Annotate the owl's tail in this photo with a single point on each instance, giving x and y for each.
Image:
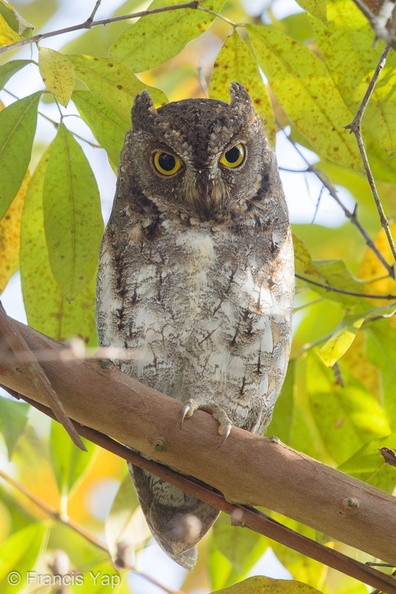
(177, 520)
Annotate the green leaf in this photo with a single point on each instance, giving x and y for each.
(113, 82)
(302, 258)
(344, 336)
(125, 523)
(221, 572)
(316, 7)
(57, 73)
(243, 548)
(8, 70)
(69, 463)
(381, 352)
(109, 129)
(311, 100)
(346, 416)
(46, 308)
(72, 217)
(346, 45)
(266, 585)
(14, 20)
(301, 567)
(368, 464)
(13, 420)
(156, 38)
(341, 340)
(18, 556)
(235, 62)
(293, 421)
(103, 579)
(332, 273)
(17, 130)
(336, 274)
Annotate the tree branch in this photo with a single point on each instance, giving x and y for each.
(269, 473)
(89, 23)
(245, 516)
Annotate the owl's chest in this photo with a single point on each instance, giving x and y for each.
(194, 272)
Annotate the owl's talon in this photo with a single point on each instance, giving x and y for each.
(187, 412)
(214, 409)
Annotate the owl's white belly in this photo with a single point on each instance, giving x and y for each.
(201, 325)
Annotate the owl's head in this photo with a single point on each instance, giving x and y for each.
(198, 155)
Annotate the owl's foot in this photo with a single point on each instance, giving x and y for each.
(214, 409)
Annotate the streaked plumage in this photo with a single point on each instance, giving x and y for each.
(196, 272)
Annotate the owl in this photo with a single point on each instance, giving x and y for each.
(196, 276)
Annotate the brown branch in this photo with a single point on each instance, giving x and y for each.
(89, 23)
(269, 473)
(246, 516)
(17, 345)
(388, 297)
(356, 128)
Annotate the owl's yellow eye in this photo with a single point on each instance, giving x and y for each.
(166, 163)
(234, 157)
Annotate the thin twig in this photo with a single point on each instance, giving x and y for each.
(240, 514)
(49, 511)
(351, 215)
(56, 124)
(52, 513)
(95, 10)
(345, 291)
(355, 128)
(89, 24)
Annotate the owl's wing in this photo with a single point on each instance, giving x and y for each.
(177, 520)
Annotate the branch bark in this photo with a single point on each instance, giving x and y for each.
(254, 470)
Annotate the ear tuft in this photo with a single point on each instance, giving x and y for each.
(143, 110)
(239, 96)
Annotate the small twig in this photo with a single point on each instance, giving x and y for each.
(89, 24)
(76, 350)
(352, 216)
(53, 513)
(95, 10)
(344, 291)
(355, 128)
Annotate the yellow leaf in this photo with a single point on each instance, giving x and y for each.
(10, 228)
(356, 360)
(7, 35)
(375, 273)
(340, 342)
(235, 62)
(57, 73)
(266, 585)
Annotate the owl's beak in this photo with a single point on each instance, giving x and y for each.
(209, 195)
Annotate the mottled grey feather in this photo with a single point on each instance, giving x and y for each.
(196, 274)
